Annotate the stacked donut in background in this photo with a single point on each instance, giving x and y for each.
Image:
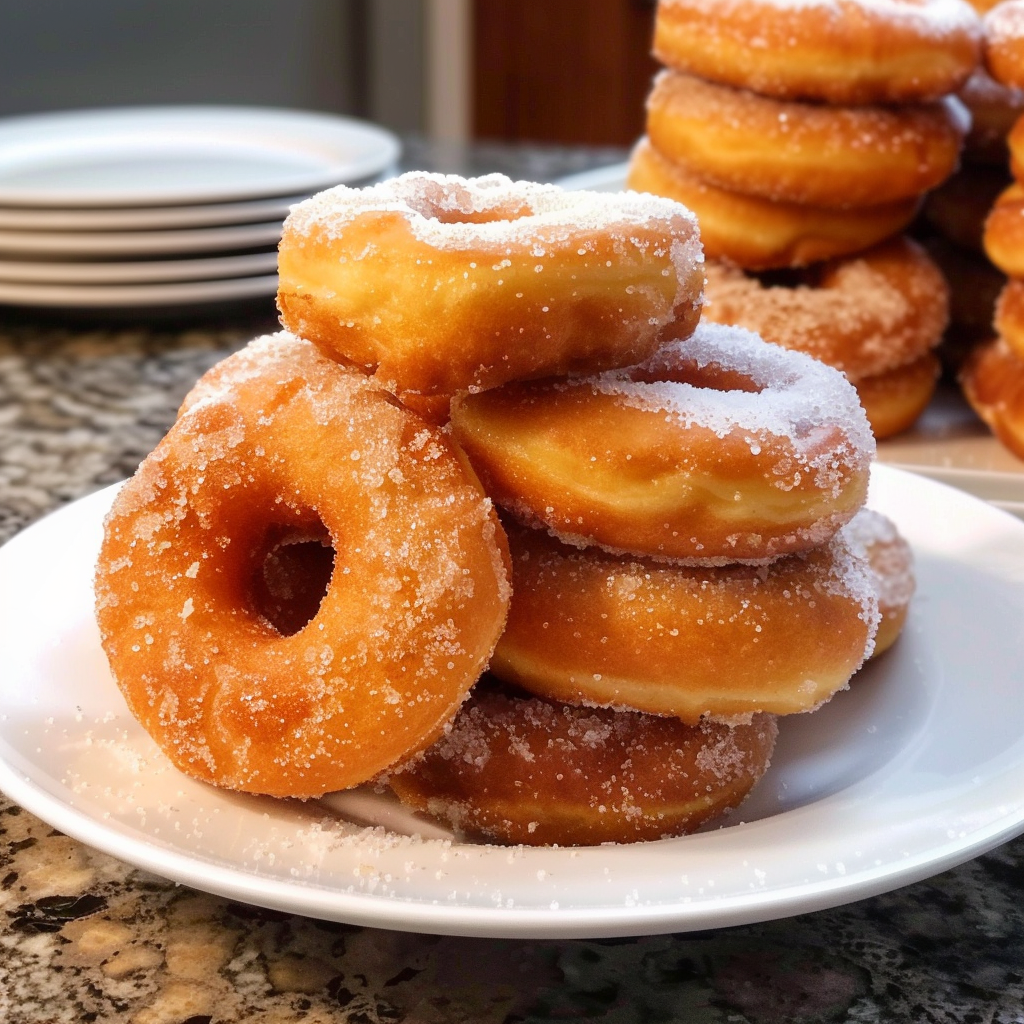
(992, 375)
(804, 137)
(682, 553)
(952, 224)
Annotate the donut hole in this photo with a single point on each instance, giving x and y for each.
(711, 376)
(291, 577)
(811, 276)
(452, 204)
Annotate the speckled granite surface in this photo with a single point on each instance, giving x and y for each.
(84, 937)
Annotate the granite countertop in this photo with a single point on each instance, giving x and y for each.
(85, 937)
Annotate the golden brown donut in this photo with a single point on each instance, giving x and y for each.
(993, 383)
(719, 448)
(892, 568)
(1003, 51)
(758, 234)
(438, 284)
(280, 445)
(895, 399)
(799, 152)
(1009, 315)
(864, 315)
(519, 769)
(1003, 237)
(589, 627)
(839, 51)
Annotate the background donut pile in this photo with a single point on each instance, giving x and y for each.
(804, 137)
(637, 664)
(992, 374)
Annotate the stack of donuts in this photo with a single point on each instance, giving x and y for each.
(804, 136)
(992, 375)
(302, 588)
(954, 215)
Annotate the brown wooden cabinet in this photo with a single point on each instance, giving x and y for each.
(568, 71)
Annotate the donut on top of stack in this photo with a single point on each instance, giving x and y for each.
(993, 374)
(804, 136)
(437, 285)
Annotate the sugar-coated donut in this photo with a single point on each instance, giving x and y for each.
(798, 152)
(1009, 315)
(1004, 43)
(895, 399)
(524, 770)
(758, 234)
(606, 630)
(438, 284)
(281, 445)
(1004, 231)
(719, 448)
(864, 315)
(839, 51)
(993, 383)
(892, 568)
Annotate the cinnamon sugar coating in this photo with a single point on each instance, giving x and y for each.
(837, 51)
(525, 770)
(723, 642)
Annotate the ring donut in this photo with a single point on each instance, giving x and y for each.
(864, 315)
(759, 234)
(717, 449)
(992, 379)
(529, 771)
(280, 444)
(436, 284)
(587, 627)
(839, 51)
(895, 399)
(804, 153)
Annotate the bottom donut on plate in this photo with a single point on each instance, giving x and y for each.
(522, 769)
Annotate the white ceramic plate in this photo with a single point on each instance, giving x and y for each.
(916, 768)
(154, 156)
(144, 271)
(106, 244)
(113, 296)
(132, 218)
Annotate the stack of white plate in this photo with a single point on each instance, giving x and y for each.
(164, 206)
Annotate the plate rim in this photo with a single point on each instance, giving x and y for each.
(136, 296)
(380, 148)
(595, 921)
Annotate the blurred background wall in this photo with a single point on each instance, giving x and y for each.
(536, 70)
